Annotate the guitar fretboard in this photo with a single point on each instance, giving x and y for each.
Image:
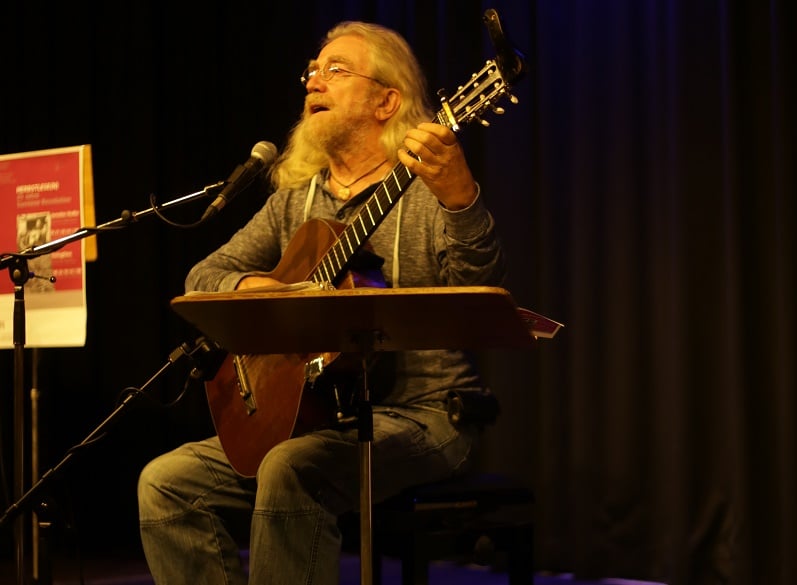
(368, 218)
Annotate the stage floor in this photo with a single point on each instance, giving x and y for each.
(130, 569)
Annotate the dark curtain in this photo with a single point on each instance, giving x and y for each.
(644, 188)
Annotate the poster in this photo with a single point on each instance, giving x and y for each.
(45, 197)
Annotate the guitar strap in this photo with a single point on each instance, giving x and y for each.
(308, 204)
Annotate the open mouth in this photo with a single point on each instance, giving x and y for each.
(315, 108)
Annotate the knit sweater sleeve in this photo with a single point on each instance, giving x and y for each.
(469, 247)
(255, 249)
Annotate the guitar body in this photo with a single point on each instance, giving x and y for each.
(258, 401)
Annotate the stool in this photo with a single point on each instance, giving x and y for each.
(480, 517)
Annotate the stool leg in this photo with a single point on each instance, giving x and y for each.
(376, 570)
(520, 564)
(414, 561)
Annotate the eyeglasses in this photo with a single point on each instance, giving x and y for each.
(329, 71)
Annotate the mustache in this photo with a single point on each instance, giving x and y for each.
(314, 102)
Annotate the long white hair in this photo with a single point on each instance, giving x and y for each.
(394, 64)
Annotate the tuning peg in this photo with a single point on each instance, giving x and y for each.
(498, 110)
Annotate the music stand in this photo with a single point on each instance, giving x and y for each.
(363, 320)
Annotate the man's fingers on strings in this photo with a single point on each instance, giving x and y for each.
(410, 159)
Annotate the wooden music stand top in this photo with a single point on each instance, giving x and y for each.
(314, 320)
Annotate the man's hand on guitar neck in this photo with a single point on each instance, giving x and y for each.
(440, 164)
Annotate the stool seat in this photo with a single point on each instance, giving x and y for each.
(472, 491)
(478, 517)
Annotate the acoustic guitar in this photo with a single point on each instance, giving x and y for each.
(257, 401)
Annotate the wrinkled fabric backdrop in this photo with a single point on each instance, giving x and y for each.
(644, 187)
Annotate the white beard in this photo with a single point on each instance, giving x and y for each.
(335, 135)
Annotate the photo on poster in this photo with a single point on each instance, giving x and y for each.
(35, 229)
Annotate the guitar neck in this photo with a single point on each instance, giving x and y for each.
(335, 262)
(465, 106)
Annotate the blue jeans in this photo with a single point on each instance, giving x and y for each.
(194, 510)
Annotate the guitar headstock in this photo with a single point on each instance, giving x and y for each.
(488, 86)
(509, 59)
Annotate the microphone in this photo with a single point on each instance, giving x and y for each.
(262, 156)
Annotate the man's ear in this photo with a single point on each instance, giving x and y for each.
(388, 105)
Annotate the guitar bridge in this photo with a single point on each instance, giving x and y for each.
(313, 369)
(244, 388)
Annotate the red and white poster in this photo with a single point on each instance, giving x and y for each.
(43, 197)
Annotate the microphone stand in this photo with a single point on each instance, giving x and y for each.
(20, 273)
(205, 356)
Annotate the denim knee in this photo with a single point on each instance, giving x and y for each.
(154, 502)
(281, 485)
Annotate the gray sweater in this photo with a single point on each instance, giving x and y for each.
(436, 247)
